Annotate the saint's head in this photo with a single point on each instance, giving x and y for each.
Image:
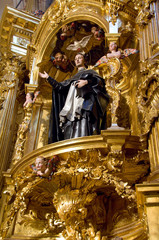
(79, 60)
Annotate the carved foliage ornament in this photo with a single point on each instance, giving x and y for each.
(148, 95)
(67, 196)
(8, 78)
(21, 134)
(60, 11)
(145, 13)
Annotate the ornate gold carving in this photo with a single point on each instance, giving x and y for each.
(112, 73)
(145, 12)
(148, 95)
(112, 11)
(21, 134)
(78, 201)
(8, 78)
(113, 8)
(148, 205)
(60, 11)
(74, 202)
(16, 23)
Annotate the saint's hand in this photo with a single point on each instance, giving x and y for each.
(81, 83)
(43, 75)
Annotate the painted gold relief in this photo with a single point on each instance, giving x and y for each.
(100, 187)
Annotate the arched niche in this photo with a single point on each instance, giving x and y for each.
(45, 37)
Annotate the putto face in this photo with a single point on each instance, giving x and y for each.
(112, 46)
(58, 58)
(79, 60)
(40, 164)
(28, 96)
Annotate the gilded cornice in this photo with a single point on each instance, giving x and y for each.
(17, 23)
(110, 143)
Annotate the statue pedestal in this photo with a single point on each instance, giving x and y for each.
(115, 126)
(116, 137)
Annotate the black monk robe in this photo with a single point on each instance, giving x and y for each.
(78, 112)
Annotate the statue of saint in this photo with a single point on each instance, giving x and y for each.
(78, 104)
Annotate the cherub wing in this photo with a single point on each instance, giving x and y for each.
(129, 51)
(102, 60)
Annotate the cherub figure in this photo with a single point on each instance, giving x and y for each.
(57, 59)
(115, 53)
(98, 33)
(44, 167)
(30, 97)
(68, 30)
(60, 61)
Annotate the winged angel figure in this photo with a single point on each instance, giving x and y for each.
(115, 53)
(79, 45)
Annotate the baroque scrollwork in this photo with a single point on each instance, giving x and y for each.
(73, 203)
(8, 79)
(145, 12)
(21, 134)
(60, 11)
(148, 95)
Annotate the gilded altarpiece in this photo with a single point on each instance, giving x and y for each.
(104, 186)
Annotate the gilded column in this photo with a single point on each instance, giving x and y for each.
(147, 193)
(148, 205)
(154, 149)
(8, 88)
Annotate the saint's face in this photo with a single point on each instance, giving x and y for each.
(40, 164)
(79, 60)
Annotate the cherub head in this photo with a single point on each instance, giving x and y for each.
(58, 58)
(68, 30)
(97, 32)
(113, 47)
(29, 96)
(65, 62)
(41, 164)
